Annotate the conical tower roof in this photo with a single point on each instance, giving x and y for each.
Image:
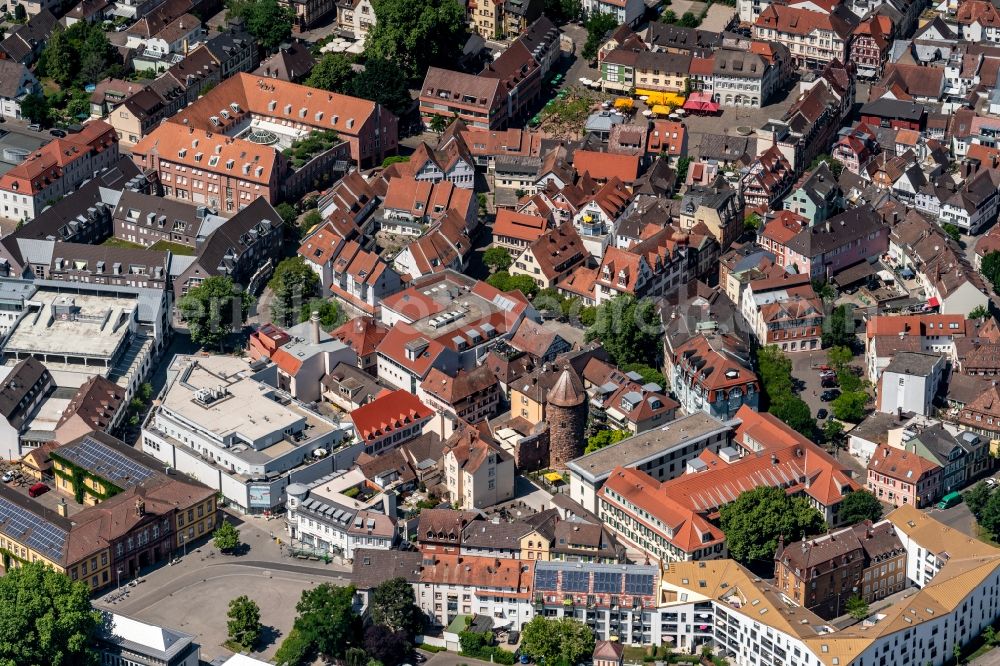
(567, 392)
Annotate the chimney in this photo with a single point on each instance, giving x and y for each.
(314, 319)
(62, 508)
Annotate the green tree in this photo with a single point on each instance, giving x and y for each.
(989, 515)
(753, 523)
(311, 219)
(385, 645)
(35, 108)
(598, 26)
(20, 13)
(858, 506)
(355, 657)
(327, 620)
(953, 231)
(629, 330)
(683, 164)
(294, 284)
(297, 650)
(850, 406)
(333, 72)
(380, 82)
(77, 55)
(833, 432)
(504, 281)
(649, 375)
(824, 290)
(980, 312)
(689, 20)
(669, 17)
(838, 328)
(605, 438)
(329, 312)
(977, 497)
(795, 413)
(562, 10)
(990, 268)
(213, 309)
(438, 123)
(554, 641)
(394, 606)
(244, 622)
(287, 212)
(838, 357)
(857, 607)
(990, 636)
(45, 618)
(497, 258)
(226, 537)
(417, 35)
(752, 222)
(268, 21)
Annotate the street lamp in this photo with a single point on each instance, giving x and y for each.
(184, 542)
(118, 578)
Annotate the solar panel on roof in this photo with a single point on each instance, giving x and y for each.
(35, 532)
(545, 579)
(104, 461)
(576, 581)
(608, 582)
(639, 584)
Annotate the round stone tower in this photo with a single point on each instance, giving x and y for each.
(566, 414)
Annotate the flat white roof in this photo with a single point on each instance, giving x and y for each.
(95, 329)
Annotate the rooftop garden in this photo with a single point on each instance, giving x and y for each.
(306, 148)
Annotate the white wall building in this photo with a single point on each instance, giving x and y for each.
(242, 437)
(910, 382)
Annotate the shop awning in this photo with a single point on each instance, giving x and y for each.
(933, 302)
(699, 101)
(553, 477)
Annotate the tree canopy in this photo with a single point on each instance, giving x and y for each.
(504, 281)
(213, 309)
(416, 35)
(753, 523)
(329, 312)
(45, 618)
(858, 506)
(77, 55)
(497, 258)
(850, 406)
(268, 21)
(775, 370)
(385, 645)
(990, 268)
(554, 641)
(294, 284)
(598, 25)
(857, 607)
(244, 622)
(977, 497)
(629, 330)
(649, 375)
(226, 537)
(379, 80)
(838, 328)
(605, 438)
(393, 605)
(326, 620)
(562, 10)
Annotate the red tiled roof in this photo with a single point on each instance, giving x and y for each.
(389, 412)
(605, 166)
(520, 226)
(362, 334)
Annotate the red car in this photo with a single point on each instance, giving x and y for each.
(38, 489)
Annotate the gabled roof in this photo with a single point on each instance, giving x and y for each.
(387, 413)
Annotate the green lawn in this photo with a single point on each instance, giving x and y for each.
(176, 248)
(117, 242)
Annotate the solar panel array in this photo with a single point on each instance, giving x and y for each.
(639, 584)
(545, 579)
(31, 530)
(607, 582)
(576, 581)
(107, 463)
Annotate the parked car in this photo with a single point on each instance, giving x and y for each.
(58, 133)
(828, 382)
(8, 476)
(822, 414)
(38, 489)
(419, 658)
(950, 500)
(34, 127)
(513, 637)
(830, 395)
